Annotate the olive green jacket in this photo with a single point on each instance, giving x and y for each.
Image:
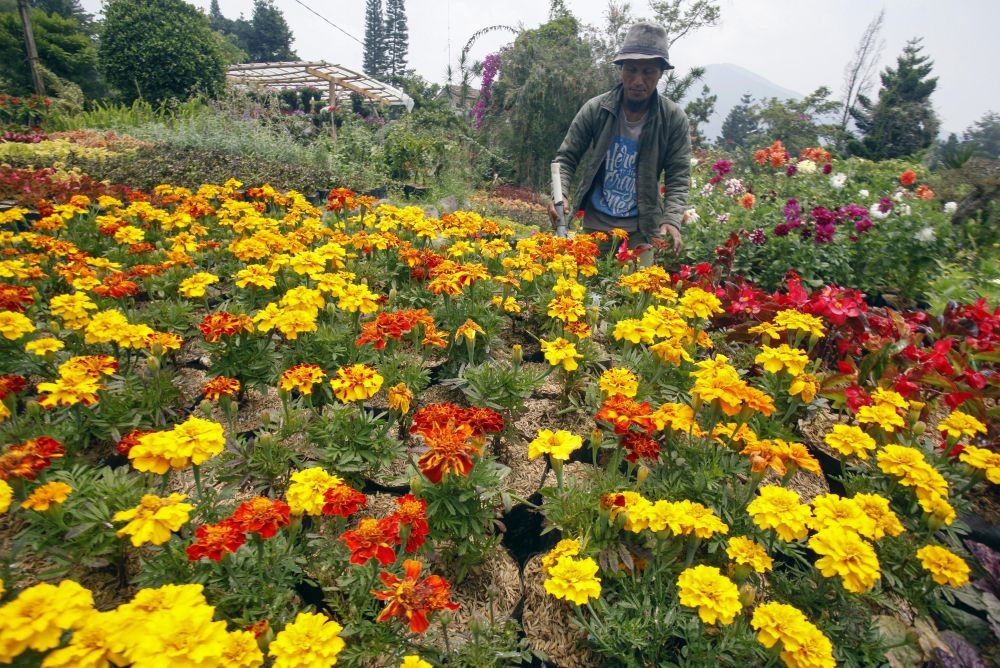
(664, 147)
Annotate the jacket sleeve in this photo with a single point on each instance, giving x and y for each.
(574, 145)
(677, 166)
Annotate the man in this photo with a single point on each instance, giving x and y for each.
(636, 135)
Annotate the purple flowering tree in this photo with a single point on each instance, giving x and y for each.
(491, 65)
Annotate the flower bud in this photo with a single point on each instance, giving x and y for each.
(33, 408)
(748, 594)
(153, 363)
(919, 427)
(517, 354)
(206, 408)
(642, 473)
(416, 484)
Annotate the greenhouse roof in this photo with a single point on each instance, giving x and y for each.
(334, 81)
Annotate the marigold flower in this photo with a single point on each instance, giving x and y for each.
(833, 510)
(697, 303)
(623, 413)
(412, 599)
(25, 460)
(414, 661)
(797, 320)
(981, 459)
(908, 178)
(89, 646)
(573, 580)
(567, 309)
(45, 496)
(14, 325)
(194, 286)
(559, 444)
(311, 641)
(805, 386)
(783, 357)
(342, 499)
(780, 509)
(802, 643)
(216, 325)
(945, 566)
(400, 397)
(214, 540)
(194, 441)
(959, 424)
(706, 588)
(38, 616)
(262, 516)
(356, 383)
(372, 539)
(567, 547)
(849, 441)
(153, 520)
(6, 496)
(877, 508)
(220, 386)
(241, 650)
(743, 550)
(468, 330)
(301, 377)
(561, 352)
(411, 515)
(257, 275)
(307, 489)
(843, 552)
(619, 381)
(44, 346)
(451, 450)
(883, 415)
(640, 446)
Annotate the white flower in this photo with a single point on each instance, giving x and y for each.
(735, 188)
(694, 162)
(926, 235)
(863, 193)
(898, 195)
(691, 216)
(807, 166)
(905, 210)
(875, 212)
(707, 189)
(838, 180)
(950, 207)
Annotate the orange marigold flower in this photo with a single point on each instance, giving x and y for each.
(450, 450)
(412, 599)
(908, 178)
(356, 383)
(301, 377)
(623, 412)
(220, 386)
(216, 325)
(214, 540)
(25, 460)
(748, 200)
(15, 298)
(640, 446)
(924, 192)
(261, 515)
(411, 520)
(372, 539)
(344, 500)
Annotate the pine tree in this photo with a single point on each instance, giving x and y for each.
(397, 38)
(271, 37)
(374, 57)
(902, 121)
(740, 124)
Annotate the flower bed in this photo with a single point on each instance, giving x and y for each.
(254, 428)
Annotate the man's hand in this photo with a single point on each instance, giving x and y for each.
(671, 232)
(554, 215)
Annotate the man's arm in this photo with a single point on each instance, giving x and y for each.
(677, 166)
(574, 145)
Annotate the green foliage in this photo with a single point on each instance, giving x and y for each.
(740, 126)
(797, 123)
(902, 121)
(270, 38)
(699, 111)
(351, 439)
(159, 49)
(984, 136)
(374, 58)
(64, 49)
(396, 39)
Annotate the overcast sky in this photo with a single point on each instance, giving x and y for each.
(797, 44)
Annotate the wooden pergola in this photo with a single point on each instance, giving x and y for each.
(336, 81)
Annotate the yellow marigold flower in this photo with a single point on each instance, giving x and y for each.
(849, 441)
(805, 386)
(677, 416)
(569, 288)
(135, 337)
(983, 460)
(884, 397)
(945, 566)
(803, 645)
(937, 506)
(6, 496)
(959, 424)
(69, 391)
(153, 520)
(44, 346)
(194, 286)
(574, 580)
(469, 329)
(14, 325)
(618, 382)
(561, 351)
(89, 647)
(400, 398)
(833, 510)
(358, 297)
(877, 508)
(105, 326)
(792, 319)
(414, 661)
(783, 357)
(769, 330)
(884, 415)
(843, 552)
(671, 350)
(636, 509)
(798, 455)
(748, 552)
(72, 308)
(699, 520)
(311, 641)
(782, 510)
(194, 441)
(634, 331)
(306, 490)
(45, 496)
(557, 444)
(567, 309)
(38, 616)
(241, 651)
(356, 383)
(567, 547)
(257, 275)
(706, 588)
(177, 637)
(697, 303)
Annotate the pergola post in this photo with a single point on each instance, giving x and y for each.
(333, 119)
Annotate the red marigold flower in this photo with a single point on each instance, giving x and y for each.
(908, 178)
(640, 446)
(340, 199)
(11, 384)
(216, 325)
(412, 599)
(412, 514)
(220, 386)
(623, 412)
(15, 298)
(435, 415)
(25, 460)
(450, 450)
(371, 539)
(214, 540)
(483, 420)
(261, 515)
(343, 500)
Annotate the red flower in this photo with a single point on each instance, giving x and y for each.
(214, 540)
(435, 415)
(343, 500)
(25, 460)
(261, 515)
(856, 397)
(411, 598)
(412, 514)
(11, 384)
(216, 325)
(483, 420)
(640, 446)
(623, 412)
(908, 178)
(15, 298)
(450, 450)
(372, 539)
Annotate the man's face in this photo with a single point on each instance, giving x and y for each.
(640, 78)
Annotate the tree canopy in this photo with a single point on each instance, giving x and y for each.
(64, 49)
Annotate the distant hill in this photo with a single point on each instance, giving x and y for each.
(729, 82)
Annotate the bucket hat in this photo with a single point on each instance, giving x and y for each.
(645, 41)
